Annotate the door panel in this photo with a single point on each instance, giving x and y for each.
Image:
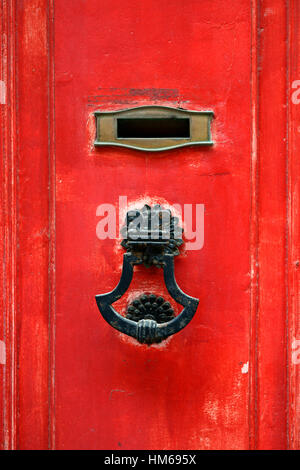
(189, 392)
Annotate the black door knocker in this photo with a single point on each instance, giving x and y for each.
(152, 237)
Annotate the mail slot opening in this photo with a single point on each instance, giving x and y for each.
(153, 128)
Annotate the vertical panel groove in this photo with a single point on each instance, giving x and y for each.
(9, 222)
(52, 246)
(253, 232)
(288, 44)
(33, 229)
(293, 211)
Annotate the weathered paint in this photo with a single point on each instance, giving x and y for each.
(72, 381)
(2, 353)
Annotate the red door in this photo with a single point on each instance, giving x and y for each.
(229, 379)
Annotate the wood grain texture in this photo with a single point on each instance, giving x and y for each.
(293, 224)
(33, 224)
(272, 242)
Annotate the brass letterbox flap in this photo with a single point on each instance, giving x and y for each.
(153, 128)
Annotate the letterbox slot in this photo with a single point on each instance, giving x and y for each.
(153, 128)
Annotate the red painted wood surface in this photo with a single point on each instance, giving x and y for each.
(229, 380)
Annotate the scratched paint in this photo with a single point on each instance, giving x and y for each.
(2, 353)
(2, 92)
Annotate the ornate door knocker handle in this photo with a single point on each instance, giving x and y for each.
(152, 237)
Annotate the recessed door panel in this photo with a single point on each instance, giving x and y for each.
(191, 390)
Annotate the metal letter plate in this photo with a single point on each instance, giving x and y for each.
(153, 128)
